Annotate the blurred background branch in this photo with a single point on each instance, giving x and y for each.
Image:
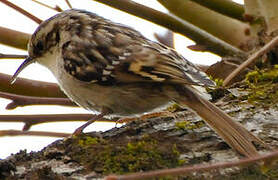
(225, 7)
(217, 24)
(14, 38)
(212, 43)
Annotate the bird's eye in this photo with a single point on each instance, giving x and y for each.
(39, 46)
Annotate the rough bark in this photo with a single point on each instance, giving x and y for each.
(157, 143)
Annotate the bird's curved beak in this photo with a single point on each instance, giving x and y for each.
(25, 63)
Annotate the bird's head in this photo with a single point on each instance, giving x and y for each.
(45, 41)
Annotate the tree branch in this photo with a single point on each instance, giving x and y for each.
(31, 120)
(217, 24)
(176, 24)
(22, 11)
(251, 59)
(12, 56)
(226, 7)
(56, 8)
(29, 87)
(32, 133)
(14, 38)
(20, 101)
(195, 168)
(68, 3)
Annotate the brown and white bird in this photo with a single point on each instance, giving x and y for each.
(110, 68)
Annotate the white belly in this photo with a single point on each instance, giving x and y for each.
(121, 100)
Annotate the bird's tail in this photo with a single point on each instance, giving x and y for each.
(230, 131)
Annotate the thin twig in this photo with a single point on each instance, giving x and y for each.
(31, 120)
(251, 59)
(22, 11)
(176, 24)
(29, 87)
(20, 101)
(32, 133)
(68, 3)
(195, 168)
(57, 8)
(12, 56)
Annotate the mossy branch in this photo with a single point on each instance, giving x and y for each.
(270, 45)
(196, 168)
(177, 25)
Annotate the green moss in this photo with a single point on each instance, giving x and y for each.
(263, 86)
(106, 157)
(265, 75)
(187, 125)
(249, 173)
(174, 108)
(218, 91)
(87, 140)
(270, 169)
(219, 82)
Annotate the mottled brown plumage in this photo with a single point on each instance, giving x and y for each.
(110, 68)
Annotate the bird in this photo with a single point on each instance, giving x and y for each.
(112, 69)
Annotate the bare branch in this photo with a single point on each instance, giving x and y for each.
(226, 7)
(32, 133)
(176, 24)
(22, 11)
(12, 56)
(195, 168)
(251, 59)
(14, 38)
(68, 3)
(20, 101)
(29, 87)
(57, 8)
(31, 120)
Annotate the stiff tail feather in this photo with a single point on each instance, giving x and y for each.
(229, 130)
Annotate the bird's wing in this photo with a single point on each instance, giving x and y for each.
(118, 54)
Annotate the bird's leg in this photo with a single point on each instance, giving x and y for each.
(90, 121)
(81, 128)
